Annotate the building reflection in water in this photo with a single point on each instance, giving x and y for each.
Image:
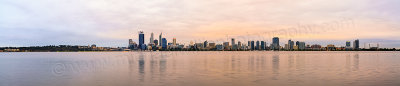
(141, 64)
(275, 66)
(356, 62)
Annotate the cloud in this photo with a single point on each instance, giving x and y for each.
(119, 20)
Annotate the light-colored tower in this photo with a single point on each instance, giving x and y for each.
(174, 41)
(160, 41)
(152, 38)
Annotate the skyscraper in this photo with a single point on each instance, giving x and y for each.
(262, 45)
(141, 39)
(174, 41)
(252, 45)
(155, 42)
(239, 45)
(290, 44)
(226, 45)
(205, 44)
(131, 44)
(302, 45)
(356, 44)
(160, 39)
(275, 43)
(258, 45)
(248, 44)
(164, 43)
(151, 38)
(348, 43)
(233, 41)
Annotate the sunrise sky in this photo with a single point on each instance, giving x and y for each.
(113, 22)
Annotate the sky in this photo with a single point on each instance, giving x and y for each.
(112, 22)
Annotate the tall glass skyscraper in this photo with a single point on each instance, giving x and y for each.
(275, 43)
(252, 45)
(141, 39)
(356, 44)
(262, 45)
(258, 45)
(164, 43)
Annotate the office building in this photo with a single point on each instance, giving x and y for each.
(205, 44)
(252, 47)
(226, 45)
(262, 45)
(348, 44)
(258, 45)
(290, 45)
(331, 47)
(248, 44)
(275, 43)
(302, 45)
(164, 43)
(152, 38)
(174, 41)
(160, 39)
(239, 45)
(141, 40)
(233, 41)
(199, 45)
(132, 45)
(356, 45)
(155, 42)
(219, 47)
(211, 45)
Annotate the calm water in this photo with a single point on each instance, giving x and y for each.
(200, 69)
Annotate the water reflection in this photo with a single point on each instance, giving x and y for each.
(201, 69)
(356, 61)
(275, 66)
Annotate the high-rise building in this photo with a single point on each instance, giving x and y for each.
(239, 45)
(302, 45)
(164, 43)
(226, 45)
(348, 43)
(356, 45)
(233, 41)
(297, 43)
(131, 44)
(155, 42)
(174, 41)
(205, 44)
(290, 45)
(262, 45)
(249, 44)
(152, 38)
(141, 39)
(275, 43)
(130, 41)
(252, 45)
(160, 39)
(258, 45)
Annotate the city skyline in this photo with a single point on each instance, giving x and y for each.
(276, 42)
(110, 23)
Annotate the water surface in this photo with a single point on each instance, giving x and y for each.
(242, 68)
